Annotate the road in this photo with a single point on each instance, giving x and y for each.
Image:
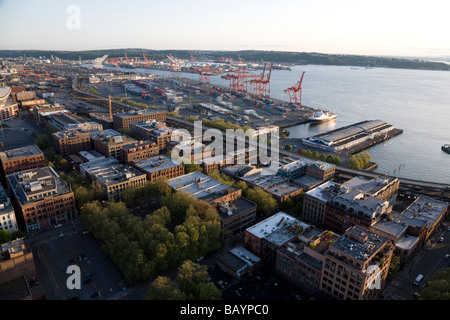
(426, 261)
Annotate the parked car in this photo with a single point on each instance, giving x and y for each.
(59, 225)
(441, 239)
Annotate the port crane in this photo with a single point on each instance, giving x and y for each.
(174, 65)
(103, 99)
(147, 63)
(204, 74)
(295, 92)
(260, 87)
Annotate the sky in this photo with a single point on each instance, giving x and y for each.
(382, 27)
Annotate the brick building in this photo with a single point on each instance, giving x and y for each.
(69, 142)
(139, 150)
(20, 159)
(159, 167)
(122, 120)
(41, 198)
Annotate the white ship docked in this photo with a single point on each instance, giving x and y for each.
(322, 116)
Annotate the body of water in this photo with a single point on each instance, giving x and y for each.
(417, 101)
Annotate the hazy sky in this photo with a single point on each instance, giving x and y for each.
(382, 27)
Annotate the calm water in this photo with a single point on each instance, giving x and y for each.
(416, 101)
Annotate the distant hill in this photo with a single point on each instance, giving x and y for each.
(282, 57)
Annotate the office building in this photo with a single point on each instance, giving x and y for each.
(20, 159)
(123, 120)
(159, 168)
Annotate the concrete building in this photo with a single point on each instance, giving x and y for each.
(70, 121)
(70, 142)
(8, 220)
(139, 150)
(159, 167)
(20, 159)
(110, 142)
(17, 268)
(8, 108)
(301, 260)
(266, 237)
(41, 197)
(39, 112)
(237, 215)
(152, 130)
(122, 120)
(356, 265)
(113, 178)
(315, 202)
(238, 261)
(351, 207)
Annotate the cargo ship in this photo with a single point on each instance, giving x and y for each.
(322, 116)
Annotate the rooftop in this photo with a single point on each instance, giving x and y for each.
(133, 113)
(393, 228)
(197, 184)
(20, 152)
(371, 187)
(114, 173)
(37, 184)
(359, 243)
(278, 229)
(5, 203)
(150, 124)
(426, 209)
(154, 164)
(235, 207)
(111, 137)
(283, 189)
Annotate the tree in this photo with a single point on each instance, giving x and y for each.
(265, 203)
(178, 203)
(191, 167)
(288, 147)
(193, 280)
(5, 236)
(63, 164)
(438, 287)
(162, 288)
(394, 267)
(43, 141)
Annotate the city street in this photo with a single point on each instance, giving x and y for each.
(426, 262)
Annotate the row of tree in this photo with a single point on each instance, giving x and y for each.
(360, 160)
(183, 228)
(322, 157)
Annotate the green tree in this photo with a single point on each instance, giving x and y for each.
(191, 167)
(438, 287)
(394, 267)
(288, 147)
(162, 288)
(315, 155)
(265, 203)
(192, 278)
(5, 236)
(64, 164)
(43, 141)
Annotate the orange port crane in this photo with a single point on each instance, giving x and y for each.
(239, 80)
(260, 87)
(103, 99)
(295, 92)
(147, 63)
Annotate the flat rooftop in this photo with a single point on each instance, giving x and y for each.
(149, 124)
(277, 229)
(111, 137)
(265, 181)
(114, 173)
(197, 184)
(154, 164)
(35, 184)
(407, 242)
(5, 203)
(426, 209)
(371, 187)
(390, 227)
(20, 153)
(359, 243)
(283, 189)
(133, 113)
(235, 207)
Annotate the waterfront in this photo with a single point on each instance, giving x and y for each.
(416, 101)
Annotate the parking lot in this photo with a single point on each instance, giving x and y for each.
(55, 249)
(18, 131)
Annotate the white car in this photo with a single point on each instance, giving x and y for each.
(59, 225)
(447, 256)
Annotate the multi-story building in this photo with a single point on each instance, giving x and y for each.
(122, 120)
(315, 202)
(41, 197)
(19, 159)
(152, 130)
(8, 220)
(70, 121)
(8, 109)
(321, 170)
(110, 142)
(356, 265)
(159, 167)
(114, 178)
(41, 112)
(351, 207)
(139, 150)
(384, 188)
(301, 260)
(103, 118)
(266, 237)
(69, 142)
